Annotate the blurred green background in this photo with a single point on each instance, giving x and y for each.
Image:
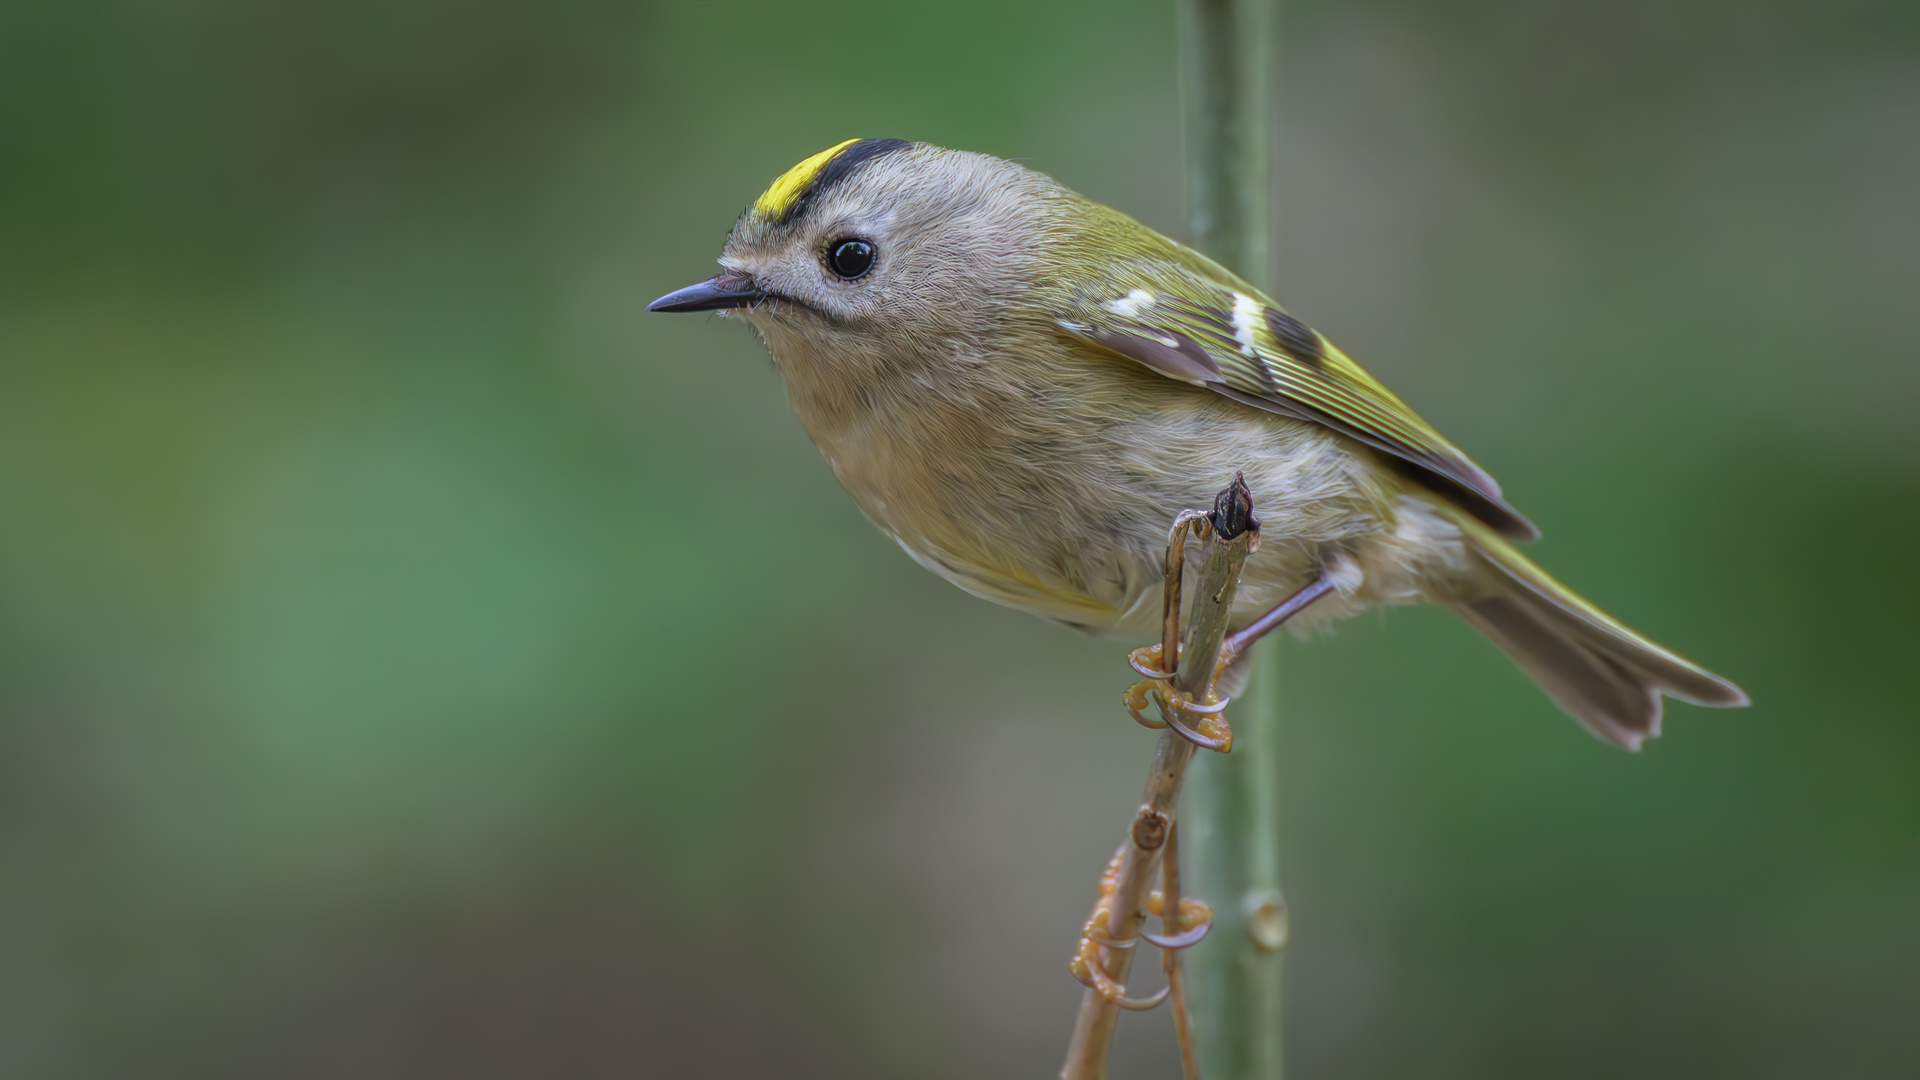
(415, 661)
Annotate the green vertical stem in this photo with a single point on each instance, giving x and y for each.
(1233, 818)
(1224, 46)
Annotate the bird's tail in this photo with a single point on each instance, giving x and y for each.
(1603, 674)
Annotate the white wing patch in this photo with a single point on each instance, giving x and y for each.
(1131, 305)
(1247, 315)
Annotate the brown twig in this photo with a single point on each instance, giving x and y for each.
(1172, 922)
(1230, 533)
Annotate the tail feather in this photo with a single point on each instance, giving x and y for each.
(1603, 674)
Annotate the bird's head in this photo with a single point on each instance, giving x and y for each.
(879, 245)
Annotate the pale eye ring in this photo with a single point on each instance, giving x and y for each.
(850, 257)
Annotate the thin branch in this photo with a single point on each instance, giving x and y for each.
(1173, 923)
(1230, 533)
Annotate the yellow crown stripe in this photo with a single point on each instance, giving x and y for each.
(784, 190)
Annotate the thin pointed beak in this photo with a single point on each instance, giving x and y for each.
(725, 290)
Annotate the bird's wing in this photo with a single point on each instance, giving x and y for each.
(1187, 325)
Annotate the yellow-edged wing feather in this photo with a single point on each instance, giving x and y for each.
(1186, 317)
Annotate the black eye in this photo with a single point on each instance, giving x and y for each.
(850, 258)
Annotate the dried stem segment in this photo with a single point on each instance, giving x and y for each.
(1173, 925)
(1171, 600)
(1229, 538)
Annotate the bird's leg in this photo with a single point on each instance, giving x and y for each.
(1238, 642)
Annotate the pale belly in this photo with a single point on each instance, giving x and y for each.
(1081, 537)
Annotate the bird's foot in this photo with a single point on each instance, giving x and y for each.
(1200, 721)
(1090, 968)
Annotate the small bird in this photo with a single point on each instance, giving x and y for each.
(1023, 388)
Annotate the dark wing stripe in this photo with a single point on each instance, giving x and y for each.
(1284, 366)
(1298, 339)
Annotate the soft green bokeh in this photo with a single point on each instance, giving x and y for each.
(416, 661)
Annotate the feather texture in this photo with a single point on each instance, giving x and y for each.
(1191, 320)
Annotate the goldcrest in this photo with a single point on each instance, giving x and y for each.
(1023, 387)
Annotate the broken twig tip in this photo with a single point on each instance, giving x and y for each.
(1233, 510)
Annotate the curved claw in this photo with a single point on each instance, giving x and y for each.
(1101, 983)
(1141, 1004)
(1106, 942)
(1208, 709)
(1173, 721)
(1181, 940)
